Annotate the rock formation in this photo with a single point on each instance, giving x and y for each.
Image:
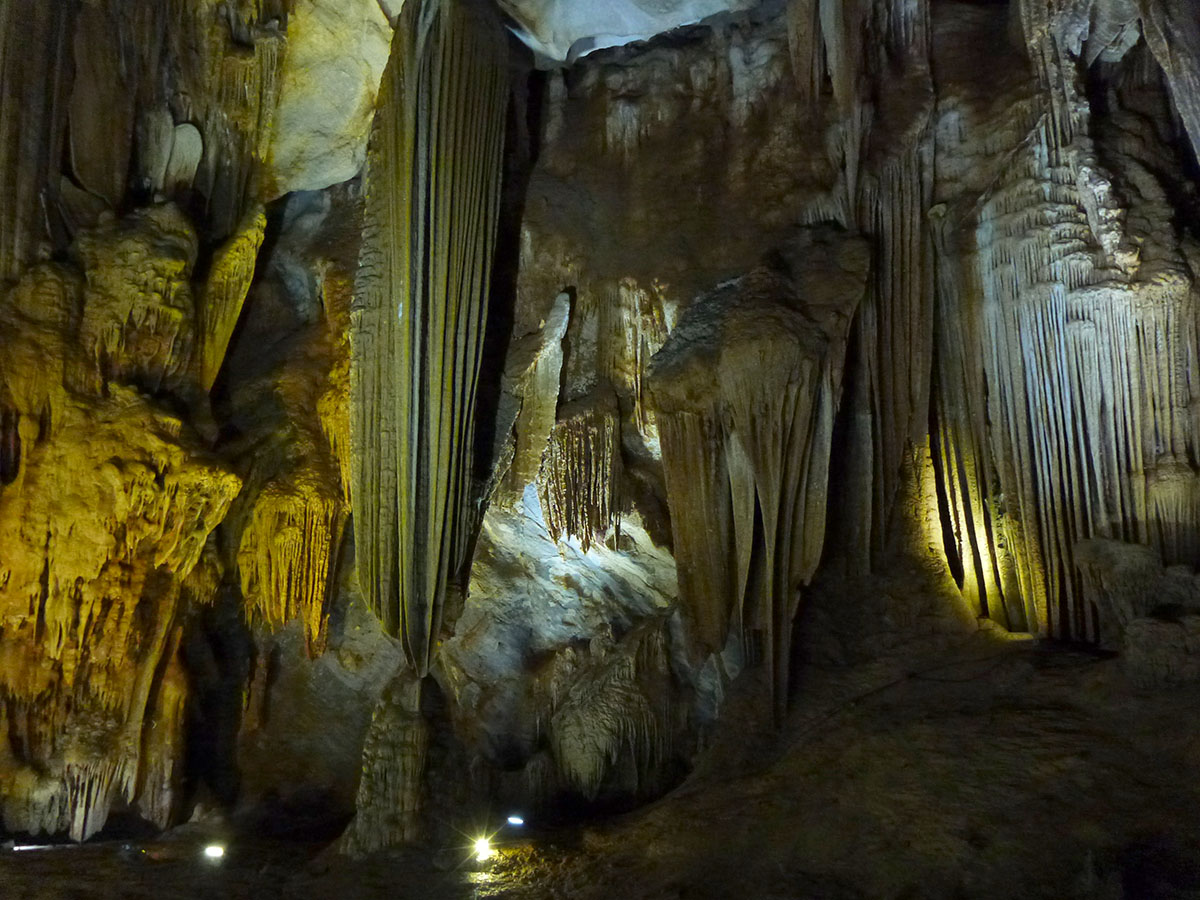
(746, 390)
(108, 506)
(421, 308)
(394, 418)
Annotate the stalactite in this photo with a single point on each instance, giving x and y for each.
(433, 180)
(10, 445)
(534, 369)
(90, 611)
(333, 405)
(885, 191)
(634, 323)
(163, 750)
(106, 519)
(226, 84)
(746, 388)
(580, 473)
(287, 552)
(1078, 424)
(225, 292)
(807, 51)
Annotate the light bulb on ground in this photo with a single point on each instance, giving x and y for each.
(483, 849)
(516, 820)
(214, 851)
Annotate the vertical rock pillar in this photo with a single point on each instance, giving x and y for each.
(433, 193)
(746, 389)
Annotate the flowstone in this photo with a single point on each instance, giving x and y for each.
(746, 390)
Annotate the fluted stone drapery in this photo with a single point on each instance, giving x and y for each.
(433, 189)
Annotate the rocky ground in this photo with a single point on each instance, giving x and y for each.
(957, 763)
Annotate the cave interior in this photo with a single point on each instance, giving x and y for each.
(395, 499)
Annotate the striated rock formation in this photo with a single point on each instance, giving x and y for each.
(1057, 272)
(393, 769)
(420, 310)
(580, 473)
(228, 283)
(746, 390)
(108, 503)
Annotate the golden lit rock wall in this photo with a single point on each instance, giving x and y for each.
(133, 139)
(108, 503)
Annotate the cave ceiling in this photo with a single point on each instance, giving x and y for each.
(564, 30)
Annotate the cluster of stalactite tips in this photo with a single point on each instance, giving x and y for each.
(572, 430)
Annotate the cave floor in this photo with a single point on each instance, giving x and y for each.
(972, 766)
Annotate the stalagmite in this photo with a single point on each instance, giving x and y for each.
(746, 389)
(390, 792)
(417, 326)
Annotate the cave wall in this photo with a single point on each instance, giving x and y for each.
(774, 278)
(173, 491)
(1019, 358)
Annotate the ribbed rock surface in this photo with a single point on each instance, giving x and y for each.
(746, 390)
(433, 189)
(1059, 275)
(107, 504)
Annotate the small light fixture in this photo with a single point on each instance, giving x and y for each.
(483, 849)
(214, 851)
(516, 820)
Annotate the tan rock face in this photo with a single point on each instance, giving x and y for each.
(746, 390)
(336, 53)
